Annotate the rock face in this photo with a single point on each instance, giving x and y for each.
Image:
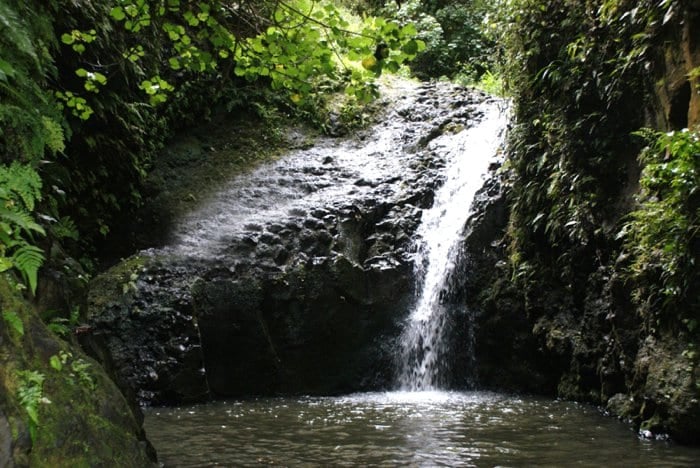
(293, 279)
(82, 418)
(504, 354)
(598, 350)
(555, 306)
(678, 106)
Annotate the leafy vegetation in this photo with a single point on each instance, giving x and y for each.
(20, 189)
(14, 321)
(30, 130)
(577, 98)
(30, 394)
(459, 43)
(664, 232)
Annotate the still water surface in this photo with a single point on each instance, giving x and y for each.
(402, 429)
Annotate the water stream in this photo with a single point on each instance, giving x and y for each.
(468, 156)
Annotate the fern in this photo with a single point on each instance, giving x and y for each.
(21, 181)
(53, 135)
(16, 31)
(21, 219)
(20, 189)
(14, 321)
(64, 228)
(28, 259)
(30, 394)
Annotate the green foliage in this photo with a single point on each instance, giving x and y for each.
(301, 42)
(29, 122)
(14, 321)
(30, 394)
(20, 189)
(664, 232)
(75, 370)
(456, 35)
(577, 74)
(62, 326)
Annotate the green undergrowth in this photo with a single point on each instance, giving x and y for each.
(602, 238)
(60, 406)
(663, 234)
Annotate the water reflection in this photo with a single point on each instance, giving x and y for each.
(402, 429)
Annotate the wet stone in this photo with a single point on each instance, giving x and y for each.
(253, 227)
(275, 228)
(270, 239)
(313, 223)
(319, 213)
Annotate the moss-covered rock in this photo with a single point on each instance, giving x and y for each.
(560, 269)
(57, 406)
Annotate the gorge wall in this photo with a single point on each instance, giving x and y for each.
(550, 272)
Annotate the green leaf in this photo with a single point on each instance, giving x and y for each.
(6, 70)
(14, 321)
(67, 38)
(410, 48)
(100, 78)
(28, 259)
(117, 13)
(55, 362)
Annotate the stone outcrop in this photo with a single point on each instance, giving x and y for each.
(294, 280)
(677, 74)
(81, 417)
(589, 342)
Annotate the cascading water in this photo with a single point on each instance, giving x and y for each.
(468, 155)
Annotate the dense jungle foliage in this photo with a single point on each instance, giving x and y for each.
(603, 177)
(582, 74)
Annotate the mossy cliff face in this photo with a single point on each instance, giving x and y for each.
(553, 266)
(81, 419)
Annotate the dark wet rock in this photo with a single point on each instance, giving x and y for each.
(301, 290)
(584, 342)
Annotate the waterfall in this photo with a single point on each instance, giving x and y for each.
(468, 154)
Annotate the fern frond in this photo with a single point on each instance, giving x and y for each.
(53, 134)
(65, 228)
(28, 259)
(21, 219)
(23, 181)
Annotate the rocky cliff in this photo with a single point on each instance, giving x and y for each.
(565, 299)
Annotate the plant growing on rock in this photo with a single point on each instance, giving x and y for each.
(664, 231)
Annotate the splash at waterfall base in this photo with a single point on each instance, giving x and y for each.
(298, 279)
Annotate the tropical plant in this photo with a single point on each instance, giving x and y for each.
(30, 394)
(20, 189)
(14, 321)
(664, 231)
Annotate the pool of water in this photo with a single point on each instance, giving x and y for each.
(402, 429)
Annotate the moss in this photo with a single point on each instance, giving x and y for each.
(83, 420)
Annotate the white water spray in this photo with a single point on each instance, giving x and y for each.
(468, 155)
